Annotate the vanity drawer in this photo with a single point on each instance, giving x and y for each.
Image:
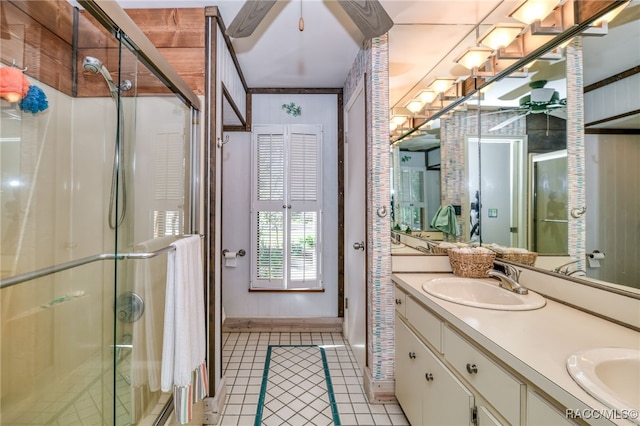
(427, 324)
(401, 301)
(496, 385)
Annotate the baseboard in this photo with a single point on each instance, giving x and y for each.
(213, 406)
(378, 391)
(283, 325)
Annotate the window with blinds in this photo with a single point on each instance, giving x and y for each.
(286, 207)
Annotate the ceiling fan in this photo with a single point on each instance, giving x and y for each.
(540, 100)
(368, 15)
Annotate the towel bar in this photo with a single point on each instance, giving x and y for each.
(39, 273)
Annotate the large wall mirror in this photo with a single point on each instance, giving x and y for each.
(546, 160)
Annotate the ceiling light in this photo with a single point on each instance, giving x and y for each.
(473, 57)
(414, 105)
(533, 10)
(501, 35)
(441, 85)
(399, 119)
(427, 96)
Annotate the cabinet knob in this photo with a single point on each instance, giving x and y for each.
(412, 355)
(398, 302)
(472, 368)
(429, 377)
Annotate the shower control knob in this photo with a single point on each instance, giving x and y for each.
(129, 307)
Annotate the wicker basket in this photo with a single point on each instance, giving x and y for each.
(524, 258)
(471, 265)
(435, 248)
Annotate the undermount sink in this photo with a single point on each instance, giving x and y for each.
(482, 293)
(610, 375)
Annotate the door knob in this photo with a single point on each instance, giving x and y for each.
(358, 246)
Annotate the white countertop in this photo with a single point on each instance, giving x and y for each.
(404, 249)
(536, 343)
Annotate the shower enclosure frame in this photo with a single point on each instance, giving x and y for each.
(117, 22)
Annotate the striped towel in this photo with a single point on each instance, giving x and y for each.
(184, 341)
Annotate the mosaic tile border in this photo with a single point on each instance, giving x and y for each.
(575, 151)
(372, 64)
(265, 382)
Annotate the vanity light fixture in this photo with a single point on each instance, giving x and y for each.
(399, 120)
(441, 85)
(531, 11)
(474, 57)
(500, 36)
(414, 105)
(427, 96)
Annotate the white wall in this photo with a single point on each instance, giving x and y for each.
(236, 193)
(612, 180)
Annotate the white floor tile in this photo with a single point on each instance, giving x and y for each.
(304, 376)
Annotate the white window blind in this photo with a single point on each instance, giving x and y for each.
(286, 207)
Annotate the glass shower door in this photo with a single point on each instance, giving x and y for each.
(153, 207)
(550, 218)
(93, 188)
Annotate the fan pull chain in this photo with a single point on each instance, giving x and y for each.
(547, 124)
(301, 21)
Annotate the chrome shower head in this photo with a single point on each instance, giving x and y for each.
(92, 64)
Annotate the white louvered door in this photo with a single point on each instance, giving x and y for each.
(286, 207)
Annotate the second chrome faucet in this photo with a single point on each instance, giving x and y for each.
(509, 278)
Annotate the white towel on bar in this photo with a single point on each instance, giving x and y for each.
(150, 280)
(184, 341)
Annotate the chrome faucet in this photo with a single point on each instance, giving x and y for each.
(564, 268)
(508, 278)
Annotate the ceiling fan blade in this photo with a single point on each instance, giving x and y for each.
(249, 17)
(554, 71)
(368, 15)
(516, 93)
(558, 112)
(508, 121)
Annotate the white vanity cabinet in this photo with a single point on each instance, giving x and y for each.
(427, 391)
(496, 385)
(441, 379)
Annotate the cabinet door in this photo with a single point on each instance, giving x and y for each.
(485, 418)
(497, 386)
(409, 361)
(541, 413)
(446, 401)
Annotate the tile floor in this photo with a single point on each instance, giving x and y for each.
(243, 361)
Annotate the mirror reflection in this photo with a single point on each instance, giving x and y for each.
(529, 169)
